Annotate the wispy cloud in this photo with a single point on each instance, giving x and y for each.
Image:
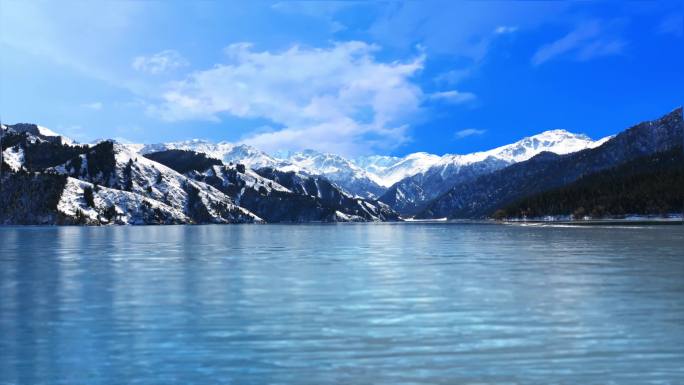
(587, 41)
(672, 25)
(93, 106)
(504, 29)
(57, 36)
(159, 62)
(463, 30)
(454, 76)
(468, 132)
(323, 10)
(337, 98)
(453, 96)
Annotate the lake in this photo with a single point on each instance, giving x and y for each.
(402, 303)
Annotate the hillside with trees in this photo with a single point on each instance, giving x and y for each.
(651, 185)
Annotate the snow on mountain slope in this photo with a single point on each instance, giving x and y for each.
(228, 178)
(337, 169)
(331, 196)
(375, 164)
(371, 176)
(224, 151)
(215, 194)
(390, 170)
(481, 196)
(38, 131)
(14, 157)
(557, 141)
(303, 199)
(386, 170)
(343, 172)
(115, 206)
(176, 187)
(116, 166)
(48, 132)
(410, 193)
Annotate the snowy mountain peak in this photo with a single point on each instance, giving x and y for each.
(224, 151)
(336, 168)
(557, 141)
(369, 176)
(390, 170)
(558, 133)
(38, 131)
(46, 131)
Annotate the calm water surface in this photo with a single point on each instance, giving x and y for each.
(342, 304)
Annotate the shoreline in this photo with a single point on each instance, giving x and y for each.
(599, 222)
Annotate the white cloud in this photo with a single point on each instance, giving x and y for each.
(468, 132)
(453, 96)
(339, 98)
(93, 106)
(504, 29)
(601, 48)
(585, 42)
(454, 76)
(160, 62)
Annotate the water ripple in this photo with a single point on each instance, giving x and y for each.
(429, 303)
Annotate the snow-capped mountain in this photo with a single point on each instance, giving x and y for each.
(114, 166)
(48, 181)
(274, 195)
(344, 173)
(390, 170)
(372, 176)
(441, 173)
(227, 152)
(38, 132)
(337, 169)
(556, 141)
(659, 138)
(375, 164)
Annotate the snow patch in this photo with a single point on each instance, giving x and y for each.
(14, 157)
(128, 206)
(48, 132)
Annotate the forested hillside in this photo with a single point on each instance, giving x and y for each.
(651, 185)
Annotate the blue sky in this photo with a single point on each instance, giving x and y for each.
(347, 77)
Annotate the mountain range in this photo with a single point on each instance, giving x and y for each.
(384, 177)
(50, 179)
(480, 197)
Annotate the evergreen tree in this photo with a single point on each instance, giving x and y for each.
(88, 196)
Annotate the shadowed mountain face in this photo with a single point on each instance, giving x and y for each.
(410, 195)
(649, 185)
(481, 196)
(184, 161)
(331, 195)
(276, 196)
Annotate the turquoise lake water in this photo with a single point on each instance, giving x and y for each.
(411, 303)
